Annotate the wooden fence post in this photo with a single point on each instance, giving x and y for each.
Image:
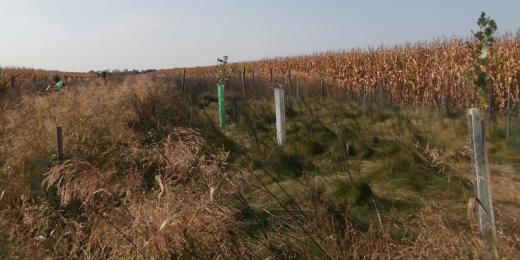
(365, 108)
(380, 93)
(321, 90)
(183, 78)
(234, 109)
(491, 114)
(485, 212)
(297, 89)
(271, 74)
(509, 105)
(190, 96)
(34, 86)
(190, 116)
(244, 82)
(289, 83)
(12, 86)
(59, 143)
(280, 116)
(444, 107)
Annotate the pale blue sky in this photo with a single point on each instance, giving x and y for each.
(80, 35)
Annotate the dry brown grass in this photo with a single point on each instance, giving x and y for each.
(117, 195)
(185, 215)
(137, 183)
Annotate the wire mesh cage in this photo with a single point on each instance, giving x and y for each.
(35, 170)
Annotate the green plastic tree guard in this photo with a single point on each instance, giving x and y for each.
(221, 105)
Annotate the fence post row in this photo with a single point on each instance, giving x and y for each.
(280, 116)
(485, 212)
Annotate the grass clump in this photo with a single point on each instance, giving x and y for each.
(346, 193)
(286, 164)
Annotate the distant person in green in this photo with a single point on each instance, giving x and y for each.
(58, 84)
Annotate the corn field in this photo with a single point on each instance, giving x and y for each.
(421, 74)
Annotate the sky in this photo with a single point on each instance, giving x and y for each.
(83, 35)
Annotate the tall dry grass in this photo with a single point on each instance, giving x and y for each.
(130, 185)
